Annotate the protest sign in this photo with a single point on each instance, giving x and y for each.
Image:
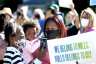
(69, 50)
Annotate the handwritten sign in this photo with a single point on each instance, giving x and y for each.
(69, 50)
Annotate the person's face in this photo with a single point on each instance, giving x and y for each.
(85, 20)
(30, 33)
(52, 30)
(13, 40)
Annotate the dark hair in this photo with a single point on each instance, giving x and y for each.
(50, 19)
(9, 31)
(37, 16)
(2, 16)
(19, 14)
(53, 12)
(28, 25)
(61, 26)
(64, 10)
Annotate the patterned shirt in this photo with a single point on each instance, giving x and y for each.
(13, 56)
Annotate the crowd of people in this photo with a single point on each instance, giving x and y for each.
(21, 37)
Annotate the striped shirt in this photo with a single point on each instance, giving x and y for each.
(12, 56)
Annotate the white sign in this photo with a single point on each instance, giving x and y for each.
(92, 2)
(65, 3)
(79, 48)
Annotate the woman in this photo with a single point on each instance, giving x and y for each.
(72, 21)
(53, 29)
(53, 25)
(87, 20)
(12, 54)
(22, 15)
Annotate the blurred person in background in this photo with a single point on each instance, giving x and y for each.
(22, 15)
(20, 35)
(8, 15)
(53, 10)
(87, 20)
(72, 21)
(12, 54)
(49, 13)
(38, 18)
(9, 18)
(53, 29)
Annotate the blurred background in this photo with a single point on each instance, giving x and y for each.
(43, 3)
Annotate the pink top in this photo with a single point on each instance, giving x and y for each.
(31, 51)
(30, 48)
(45, 58)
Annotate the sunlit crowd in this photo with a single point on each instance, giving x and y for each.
(23, 39)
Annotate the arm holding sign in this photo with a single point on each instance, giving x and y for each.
(42, 52)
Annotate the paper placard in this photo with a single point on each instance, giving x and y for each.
(69, 50)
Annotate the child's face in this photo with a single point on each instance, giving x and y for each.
(30, 33)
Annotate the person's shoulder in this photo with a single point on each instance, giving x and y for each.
(13, 49)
